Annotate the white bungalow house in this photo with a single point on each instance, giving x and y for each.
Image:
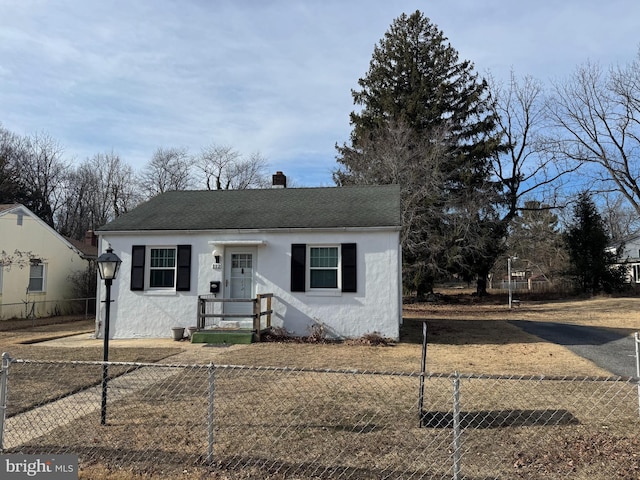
(330, 257)
(35, 265)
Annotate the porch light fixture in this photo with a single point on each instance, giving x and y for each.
(108, 265)
(216, 259)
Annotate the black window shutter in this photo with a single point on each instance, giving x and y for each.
(298, 265)
(183, 281)
(349, 270)
(137, 267)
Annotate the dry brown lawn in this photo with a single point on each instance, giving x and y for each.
(27, 339)
(464, 334)
(473, 336)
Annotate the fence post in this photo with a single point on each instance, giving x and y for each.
(423, 369)
(4, 373)
(456, 426)
(637, 339)
(211, 377)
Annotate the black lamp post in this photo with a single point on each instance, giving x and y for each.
(108, 265)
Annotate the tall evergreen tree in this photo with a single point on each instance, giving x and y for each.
(592, 265)
(417, 84)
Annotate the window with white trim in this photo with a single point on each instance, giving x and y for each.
(162, 267)
(341, 259)
(324, 265)
(36, 277)
(636, 273)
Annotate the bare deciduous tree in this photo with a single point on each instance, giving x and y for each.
(619, 218)
(537, 241)
(43, 171)
(169, 169)
(224, 168)
(598, 114)
(528, 167)
(98, 190)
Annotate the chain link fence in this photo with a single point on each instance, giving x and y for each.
(33, 308)
(250, 422)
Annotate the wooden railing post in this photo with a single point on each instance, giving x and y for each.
(268, 312)
(256, 312)
(201, 312)
(256, 315)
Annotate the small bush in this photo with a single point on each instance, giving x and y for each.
(317, 334)
(373, 339)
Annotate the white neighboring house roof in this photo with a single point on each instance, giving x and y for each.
(631, 250)
(14, 208)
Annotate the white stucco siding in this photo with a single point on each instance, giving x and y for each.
(374, 307)
(149, 314)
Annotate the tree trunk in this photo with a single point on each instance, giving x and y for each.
(481, 285)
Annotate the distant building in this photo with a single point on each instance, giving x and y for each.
(35, 265)
(630, 257)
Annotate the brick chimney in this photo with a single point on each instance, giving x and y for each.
(279, 180)
(90, 238)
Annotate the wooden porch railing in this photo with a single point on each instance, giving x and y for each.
(256, 315)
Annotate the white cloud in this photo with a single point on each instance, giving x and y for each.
(273, 77)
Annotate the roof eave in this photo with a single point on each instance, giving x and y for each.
(248, 231)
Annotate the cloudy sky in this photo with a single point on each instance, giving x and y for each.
(268, 76)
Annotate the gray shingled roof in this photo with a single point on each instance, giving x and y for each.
(8, 206)
(331, 207)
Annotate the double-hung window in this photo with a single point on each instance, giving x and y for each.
(162, 267)
(36, 277)
(324, 269)
(324, 263)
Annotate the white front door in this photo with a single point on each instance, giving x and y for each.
(239, 283)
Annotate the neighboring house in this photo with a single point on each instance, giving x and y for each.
(35, 265)
(330, 257)
(630, 258)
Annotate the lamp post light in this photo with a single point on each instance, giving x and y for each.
(509, 273)
(108, 265)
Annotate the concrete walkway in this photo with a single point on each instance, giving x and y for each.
(192, 353)
(25, 427)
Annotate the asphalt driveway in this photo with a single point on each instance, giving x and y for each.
(611, 349)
